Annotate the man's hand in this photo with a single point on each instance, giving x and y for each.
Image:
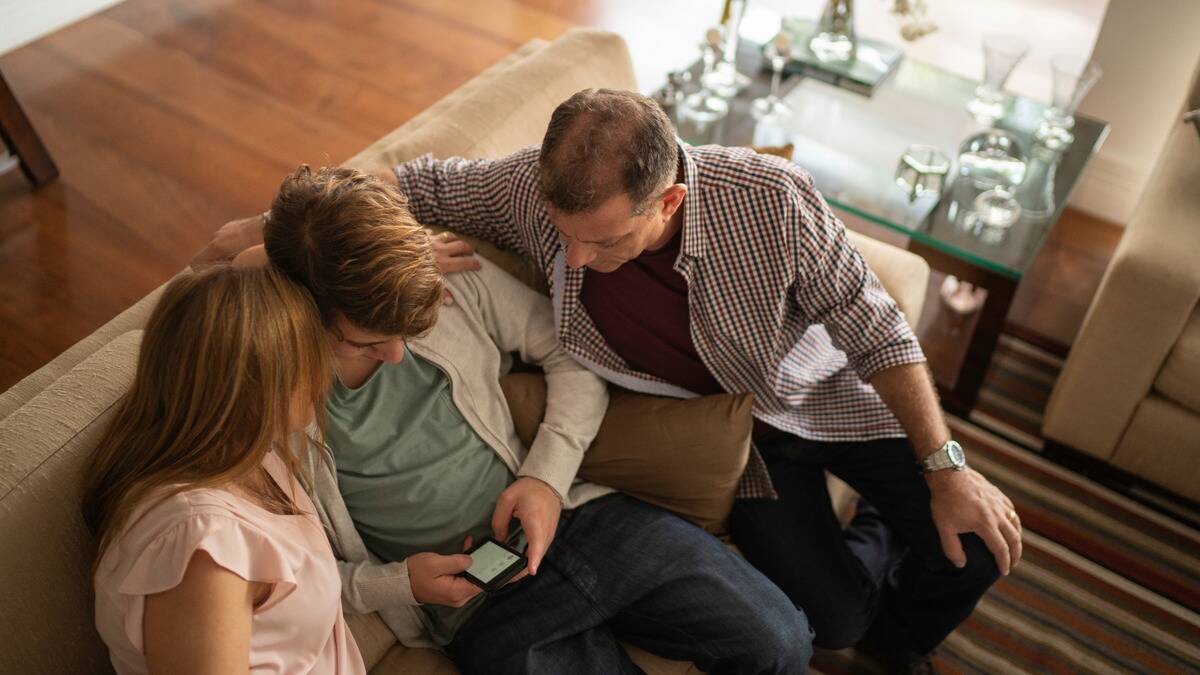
(964, 501)
(435, 581)
(233, 238)
(453, 254)
(538, 507)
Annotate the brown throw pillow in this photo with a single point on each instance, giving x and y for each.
(784, 151)
(684, 455)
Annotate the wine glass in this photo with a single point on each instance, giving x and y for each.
(705, 105)
(777, 52)
(1001, 54)
(724, 78)
(1074, 77)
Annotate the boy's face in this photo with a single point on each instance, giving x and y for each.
(356, 343)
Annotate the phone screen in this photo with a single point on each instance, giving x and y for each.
(489, 561)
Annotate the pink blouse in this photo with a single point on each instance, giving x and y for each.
(298, 629)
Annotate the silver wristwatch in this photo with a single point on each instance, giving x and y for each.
(949, 456)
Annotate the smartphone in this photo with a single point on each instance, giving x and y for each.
(493, 564)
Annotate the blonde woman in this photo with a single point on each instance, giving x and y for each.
(211, 559)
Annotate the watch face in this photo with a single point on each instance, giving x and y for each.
(957, 456)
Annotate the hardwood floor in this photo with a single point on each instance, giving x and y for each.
(169, 117)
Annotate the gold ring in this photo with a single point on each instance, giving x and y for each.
(1012, 515)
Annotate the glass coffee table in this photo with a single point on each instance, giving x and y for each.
(851, 144)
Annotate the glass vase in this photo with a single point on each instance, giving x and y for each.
(1035, 194)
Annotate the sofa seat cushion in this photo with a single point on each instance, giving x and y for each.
(372, 635)
(1179, 378)
(1161, 446)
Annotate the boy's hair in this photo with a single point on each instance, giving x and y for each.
(350, 239)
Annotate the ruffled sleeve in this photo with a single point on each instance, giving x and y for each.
(235, 545)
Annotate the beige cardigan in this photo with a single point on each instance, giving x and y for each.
(492, 316)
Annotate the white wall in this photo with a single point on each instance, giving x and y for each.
(23, 21)
(1150, 50)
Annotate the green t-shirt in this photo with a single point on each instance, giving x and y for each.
(413, 473)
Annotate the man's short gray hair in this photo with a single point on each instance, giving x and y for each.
(604, 142)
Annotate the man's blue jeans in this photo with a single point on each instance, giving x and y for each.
(620, 569)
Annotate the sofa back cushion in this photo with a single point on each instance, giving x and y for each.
(46, 618)
(508, 106)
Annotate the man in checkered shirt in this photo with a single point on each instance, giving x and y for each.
(684, 271)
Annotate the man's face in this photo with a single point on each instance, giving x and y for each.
(356, 343)
(612, 234)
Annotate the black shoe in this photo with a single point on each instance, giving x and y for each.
(922, 666)
(891, 662)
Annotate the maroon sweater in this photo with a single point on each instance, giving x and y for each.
(641, 309)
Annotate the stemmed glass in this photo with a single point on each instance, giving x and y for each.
(724, 79)
(777, 52)
(1074, 77)
(1001, 54)
(705, 105)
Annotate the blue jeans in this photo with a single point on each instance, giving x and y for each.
(620, 569)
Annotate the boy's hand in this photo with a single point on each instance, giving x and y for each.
(538, 507)
(435, 581)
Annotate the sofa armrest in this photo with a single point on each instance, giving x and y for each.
(904, 275)
(1145, 298)
(132, 318)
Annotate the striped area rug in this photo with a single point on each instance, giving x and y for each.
(1016, 389)
(1106, 584)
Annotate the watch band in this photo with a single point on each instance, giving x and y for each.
(949, 456)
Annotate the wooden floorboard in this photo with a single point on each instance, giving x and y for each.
(169, 117)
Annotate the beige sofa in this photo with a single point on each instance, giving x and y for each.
(1129, 393)
(50, 421)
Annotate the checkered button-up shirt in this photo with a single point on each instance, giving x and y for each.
(781, 304)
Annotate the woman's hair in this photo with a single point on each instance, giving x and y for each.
(229, 358)
(350, 239)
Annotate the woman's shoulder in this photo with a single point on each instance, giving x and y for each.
(167, 509)
(153, 550)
